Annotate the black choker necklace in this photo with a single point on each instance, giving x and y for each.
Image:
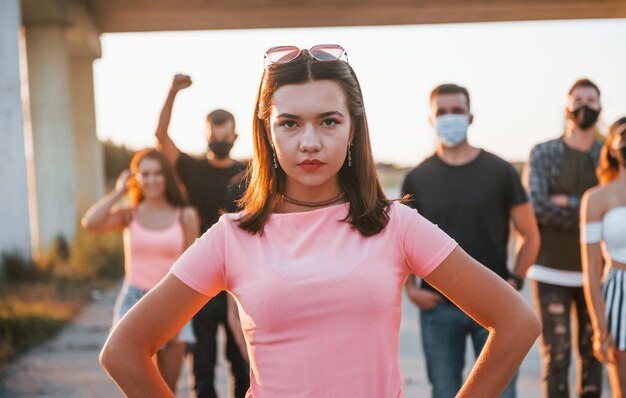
(314, 204)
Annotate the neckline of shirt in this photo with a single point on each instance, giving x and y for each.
(314, 211)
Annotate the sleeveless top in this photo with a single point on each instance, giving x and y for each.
(611, 231)
(150, 253)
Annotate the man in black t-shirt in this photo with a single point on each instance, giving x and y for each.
(472, 195)
(206, 181)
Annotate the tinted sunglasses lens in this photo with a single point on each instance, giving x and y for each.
(327, 52)
(282, 54)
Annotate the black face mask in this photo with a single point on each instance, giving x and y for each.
(584, 117)
(220, 149)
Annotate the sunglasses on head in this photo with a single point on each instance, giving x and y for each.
(321, 52)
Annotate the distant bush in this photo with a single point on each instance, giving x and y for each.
(39, 297)
(91, 256)
(16, 268)
(24, 323)
(96, 256)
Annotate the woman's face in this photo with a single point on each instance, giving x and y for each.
(310, 130)
(150, 178)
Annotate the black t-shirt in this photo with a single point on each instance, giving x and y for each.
(206, 186)
(471, 203)
(235, 191)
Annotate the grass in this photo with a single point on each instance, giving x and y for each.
(38, 298)
(31, 313)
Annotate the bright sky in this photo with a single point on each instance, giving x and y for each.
(518, 75)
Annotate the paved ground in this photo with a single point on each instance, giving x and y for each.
(68, 365)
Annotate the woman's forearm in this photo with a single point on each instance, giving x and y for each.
(501, 356)
(592, 274)
(97, 214)
(134, 372)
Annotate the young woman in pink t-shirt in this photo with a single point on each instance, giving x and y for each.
(157, 228)
(317, 259)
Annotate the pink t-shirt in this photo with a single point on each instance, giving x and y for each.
(320, 304)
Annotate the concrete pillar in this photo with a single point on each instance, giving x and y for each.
(52, 137)
(88, 156)
(14, 227)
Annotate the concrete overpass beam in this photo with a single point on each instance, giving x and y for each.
(15, 224)
(52, 133)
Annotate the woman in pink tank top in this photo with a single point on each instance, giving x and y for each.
(318, 258)
(157, 228)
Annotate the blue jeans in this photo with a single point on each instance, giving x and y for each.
(444, 333)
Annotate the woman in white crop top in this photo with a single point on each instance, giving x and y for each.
(603, 237)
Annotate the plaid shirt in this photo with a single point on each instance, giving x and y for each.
(545, 167)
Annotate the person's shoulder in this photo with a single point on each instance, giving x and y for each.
(189, 160)
(597, 200)
(231, 219)
(189, 214)
(424, 166)
(600, 193)
(597, 145)
(496, 161)
(548, 145)
(184, 156)
(238, 167)
(241, 164)
(399, 210)
(492, 157)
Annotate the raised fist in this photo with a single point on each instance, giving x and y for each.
(181, 82)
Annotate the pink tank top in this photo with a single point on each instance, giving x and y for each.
(150, 253)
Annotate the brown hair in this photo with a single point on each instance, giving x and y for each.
(172, 192)
(219, 117)
(584, 83)
(368, 203)
(450, 89)
(608, 167)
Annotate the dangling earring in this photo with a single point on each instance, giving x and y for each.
(349, 155)
(274, 156)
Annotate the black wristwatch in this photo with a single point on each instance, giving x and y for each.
(519, 281)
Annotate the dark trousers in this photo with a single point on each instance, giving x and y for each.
(205, 325)
(555, 304)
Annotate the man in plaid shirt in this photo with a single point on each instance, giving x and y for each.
(560, 171)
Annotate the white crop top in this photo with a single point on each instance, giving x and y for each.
(611, 230)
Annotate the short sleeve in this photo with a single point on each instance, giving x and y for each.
(185, 166)
(425, 246)
(202, 265)
(515, 190)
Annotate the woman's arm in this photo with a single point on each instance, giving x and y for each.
(591, 256)
(101, 217)
(153, 321)
(493, 303)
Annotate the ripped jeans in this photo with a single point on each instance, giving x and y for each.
(554, 306)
